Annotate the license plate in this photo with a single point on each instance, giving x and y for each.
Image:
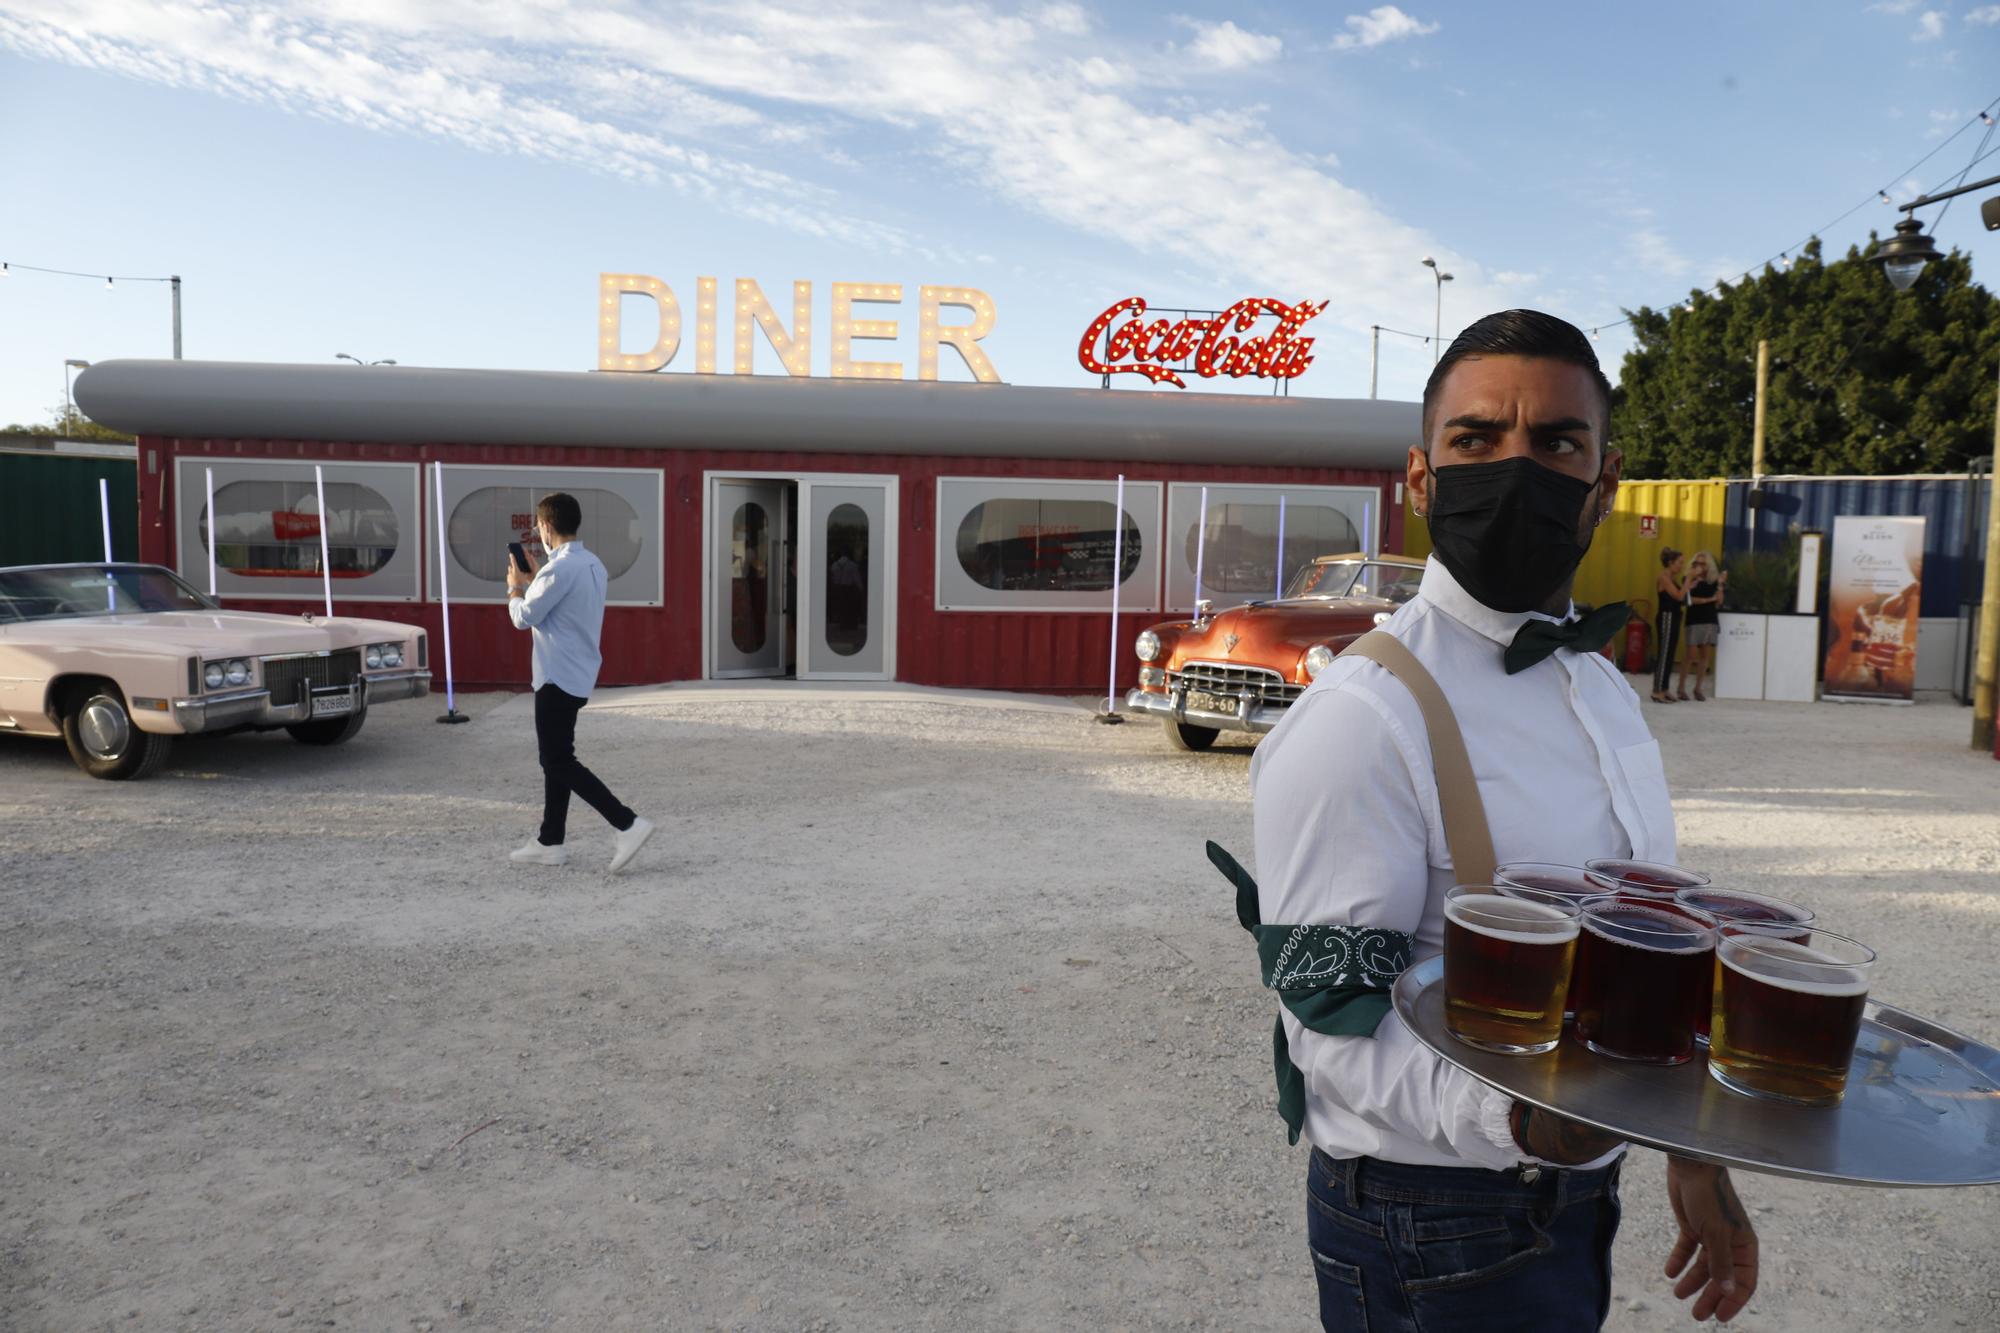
(1201, 702)
(332, 705)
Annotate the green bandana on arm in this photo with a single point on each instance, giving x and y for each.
(1334, 979)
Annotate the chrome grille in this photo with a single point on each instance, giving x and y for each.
(1261, 683)
(289, 678)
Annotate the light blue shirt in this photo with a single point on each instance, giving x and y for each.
(564, 609)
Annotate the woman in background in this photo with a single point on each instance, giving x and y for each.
(1704, 605)
(1672, 592)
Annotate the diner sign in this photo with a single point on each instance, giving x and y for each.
(937, 327)
(1161, 348)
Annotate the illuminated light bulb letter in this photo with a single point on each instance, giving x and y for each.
(794, 349)
(612, 288)
(964, 338)
(845, 294)
(704, 326)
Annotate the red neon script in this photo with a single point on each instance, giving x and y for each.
(1139, 347)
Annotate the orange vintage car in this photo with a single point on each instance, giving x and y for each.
(1240, 669)
(119, 659)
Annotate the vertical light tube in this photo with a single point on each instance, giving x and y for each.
(1367, 529)
(444, 588)
(211, 530)
(1281, 550)
(1200, 549)
(325, 563)
(1117, 568)
(104, 506)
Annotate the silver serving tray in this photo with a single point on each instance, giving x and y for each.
(1922, 1107)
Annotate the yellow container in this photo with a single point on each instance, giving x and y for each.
(1624, 557)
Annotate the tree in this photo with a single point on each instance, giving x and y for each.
(67, 423)
(1863, 379)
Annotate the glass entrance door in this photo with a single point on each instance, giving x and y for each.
(747, 571)
(847, 553)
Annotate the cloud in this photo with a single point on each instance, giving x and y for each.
(1384, 23)
(697, 100)
(1893, 6)
(1987, 15)
(1226, 46)
(1930, 26)
(1069, 20)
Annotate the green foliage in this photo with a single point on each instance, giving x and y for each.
(1863, 379)
(1763, 582)
(66, 423)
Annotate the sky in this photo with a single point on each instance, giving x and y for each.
(441, 182)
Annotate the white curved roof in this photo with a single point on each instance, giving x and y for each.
(412, 405)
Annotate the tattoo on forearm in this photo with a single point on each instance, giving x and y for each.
(1725, 1199)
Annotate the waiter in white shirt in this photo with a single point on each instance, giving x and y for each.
(562, 605)
(1434, 1201)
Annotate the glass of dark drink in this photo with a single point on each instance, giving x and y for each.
(1506, 966)
(1572, 882)
(1646, 965)
(1788, 1007)
(1748, 908)
(1648, 879)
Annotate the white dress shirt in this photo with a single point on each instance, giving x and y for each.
(564, 608)
(1348, 832)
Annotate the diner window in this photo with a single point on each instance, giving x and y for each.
(488, 506)
(486, 520)
(1018, 545)
(269, 529)
(847, 579)
(267, 526)
(1241, 551)
(749, 577)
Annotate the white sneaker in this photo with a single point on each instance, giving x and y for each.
(626, 845)
(536, 854)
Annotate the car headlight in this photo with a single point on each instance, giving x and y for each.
(1147, 645)
(1318, 658)
(392, 654)
(237, 672)
(211, 675)
(374, 656)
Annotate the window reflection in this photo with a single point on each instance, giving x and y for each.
(847, 579)
(487, 519)
(1023, 545)
(1242, 547)
(271, 529)
(749, 577)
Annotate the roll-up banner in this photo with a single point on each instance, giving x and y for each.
(1875, 585)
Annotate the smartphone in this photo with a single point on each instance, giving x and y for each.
(519, 557)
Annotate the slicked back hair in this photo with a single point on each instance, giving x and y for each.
(1518, 333)
(561, 512)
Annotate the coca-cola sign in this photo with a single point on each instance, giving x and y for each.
(1161, 348)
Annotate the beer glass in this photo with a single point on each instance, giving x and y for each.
(1648, 879)
(1788, 1008)
(1740, 905)
(1506, 966)
(1646, 966)
(1571, 882)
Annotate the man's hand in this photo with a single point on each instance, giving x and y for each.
(516, 580)
(1557, 1139)
(1717, 1247)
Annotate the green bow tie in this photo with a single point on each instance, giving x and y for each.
(1536, 639)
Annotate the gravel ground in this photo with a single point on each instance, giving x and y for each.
(921, 1012)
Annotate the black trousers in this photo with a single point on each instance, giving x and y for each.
(563, 773)
(1668, 623)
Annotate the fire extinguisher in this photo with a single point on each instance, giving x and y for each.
(1635, 646)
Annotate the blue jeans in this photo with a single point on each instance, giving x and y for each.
(1432, 1249)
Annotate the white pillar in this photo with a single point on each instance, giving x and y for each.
(325, 564)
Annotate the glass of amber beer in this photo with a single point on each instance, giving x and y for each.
(1788, 1008)
(1748, 908)
(1506, 966)
(1646, 965)
(1572, 882)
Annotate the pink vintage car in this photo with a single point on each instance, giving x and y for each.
(119, 659)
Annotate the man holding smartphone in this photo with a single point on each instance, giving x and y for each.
(561, 604)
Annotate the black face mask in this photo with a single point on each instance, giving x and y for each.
(1507, 530)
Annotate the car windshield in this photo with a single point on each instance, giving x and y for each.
(61, 592)
(1356, 578)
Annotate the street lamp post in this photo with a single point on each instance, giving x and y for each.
(1437, 320)
(69, 409)
(342, 356)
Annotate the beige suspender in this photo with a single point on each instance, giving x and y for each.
(1465, 828)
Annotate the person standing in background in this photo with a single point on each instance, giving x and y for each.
(562, 604)
(1672, 592)
(1704, 620)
